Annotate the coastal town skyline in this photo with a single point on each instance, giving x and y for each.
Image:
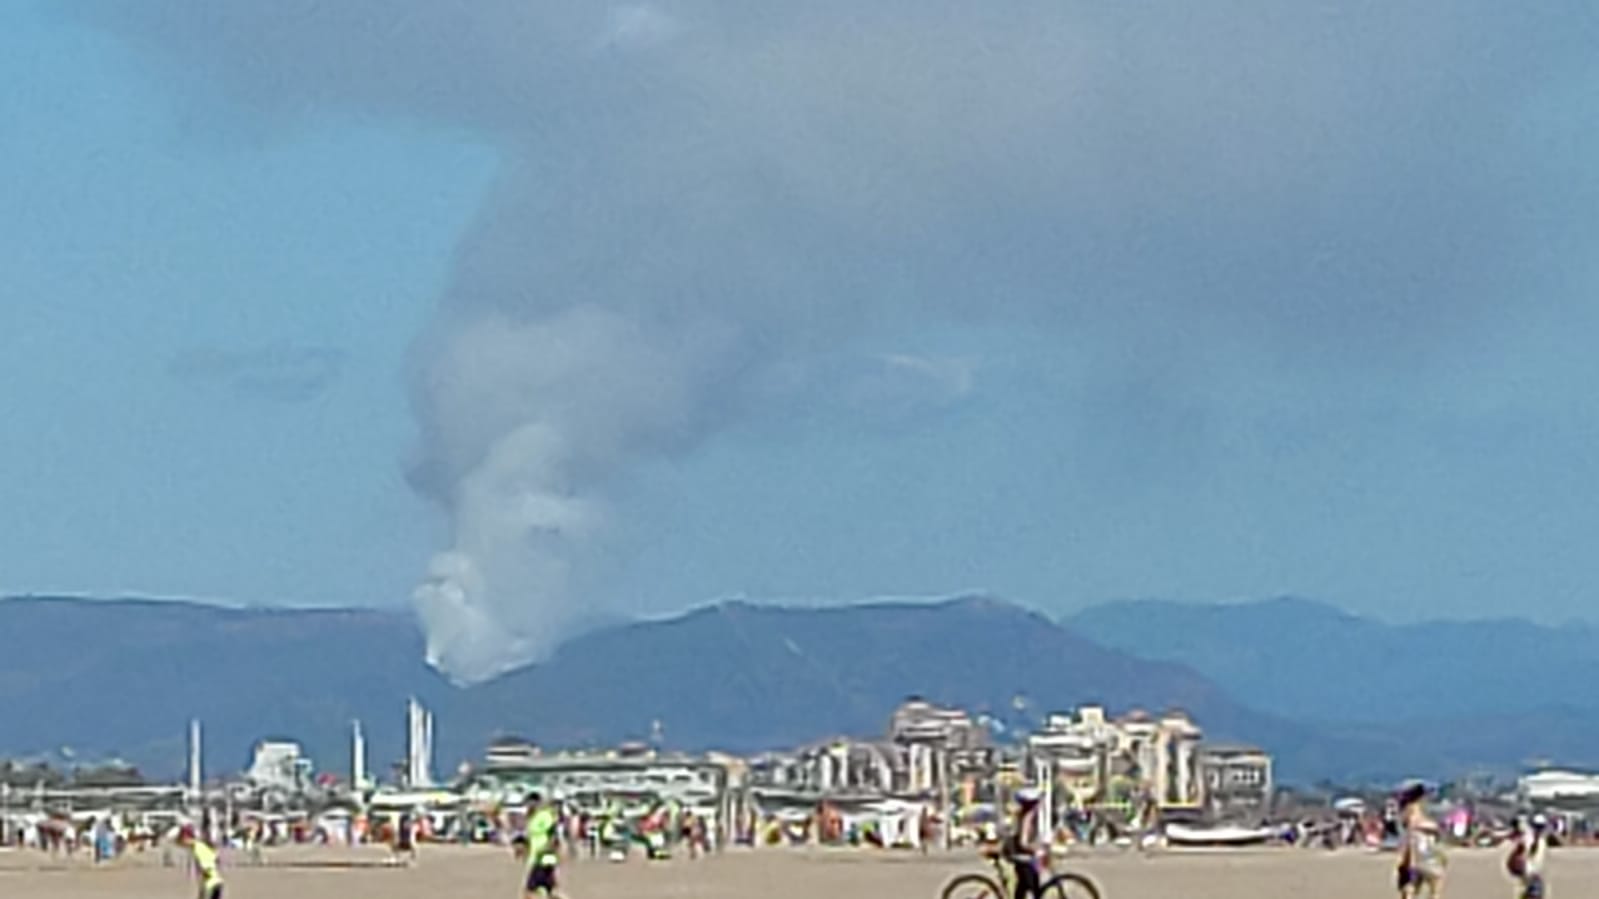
(1112, 774)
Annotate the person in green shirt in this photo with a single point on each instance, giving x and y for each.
(205, 862)
(543, 826)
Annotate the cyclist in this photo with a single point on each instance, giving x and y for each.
(1023, 847)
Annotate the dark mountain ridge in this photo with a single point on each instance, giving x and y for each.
(122, 678)
(1318, 663)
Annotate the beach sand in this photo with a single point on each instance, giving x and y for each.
(481, 872)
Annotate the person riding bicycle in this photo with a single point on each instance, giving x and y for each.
(1024, 847)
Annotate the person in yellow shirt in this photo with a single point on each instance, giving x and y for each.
(543, 855)
(205, 863)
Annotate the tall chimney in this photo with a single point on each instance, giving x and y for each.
(357, 757)
(419, 745)
(196, 778)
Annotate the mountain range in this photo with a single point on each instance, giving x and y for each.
(122, 678)
(1447, 695)
(1318, 663)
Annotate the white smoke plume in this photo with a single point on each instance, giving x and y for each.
(698, 196)
(524, 421)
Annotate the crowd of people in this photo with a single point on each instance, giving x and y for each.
(104, 838)
(1384, 831)
(657, 831)
(546, 832)
(101, 837)
(552, 831)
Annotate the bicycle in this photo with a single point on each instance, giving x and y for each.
(1002, 885)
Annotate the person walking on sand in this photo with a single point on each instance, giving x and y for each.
(1529, 853)
(402, 846)
(205, 862)
(1421, 858)
(543, 851)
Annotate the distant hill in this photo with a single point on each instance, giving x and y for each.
(123, 678)
(746, 676)
(1315, 662)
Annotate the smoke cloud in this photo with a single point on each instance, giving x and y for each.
(700, 198)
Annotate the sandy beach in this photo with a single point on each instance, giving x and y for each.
(317, 874)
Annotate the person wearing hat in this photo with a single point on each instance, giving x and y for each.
(205, 862)
(1023, 847)
(1528, 855)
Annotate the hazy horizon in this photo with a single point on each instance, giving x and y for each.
(1062, 616)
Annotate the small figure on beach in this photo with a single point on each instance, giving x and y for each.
(1024, 846)
(205, 860)
(541, 847)
(1421, 857)
(405, 840)
(1529, 853)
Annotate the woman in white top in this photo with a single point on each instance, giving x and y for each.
(1421, 857)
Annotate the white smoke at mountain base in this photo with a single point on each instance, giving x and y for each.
(699, 197)
(526, 421)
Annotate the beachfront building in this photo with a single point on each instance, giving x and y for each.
(1085, 760)
(1237, 780)
(279, 766)
(1175, 775)
(920, 722)
(1162, 757)
(1092, 758)
(1075, 754)
(940, 747)
(935, 773)
(834, 767)
(885, 791)
(634, 778)
(511, 752)
(843, 766)
(1558, 787)
(928, 749)
(510, 774)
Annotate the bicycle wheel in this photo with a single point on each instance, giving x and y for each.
(1069, 886)
(973, 886)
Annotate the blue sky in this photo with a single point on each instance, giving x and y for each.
(1155, 303)
(133, 240)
